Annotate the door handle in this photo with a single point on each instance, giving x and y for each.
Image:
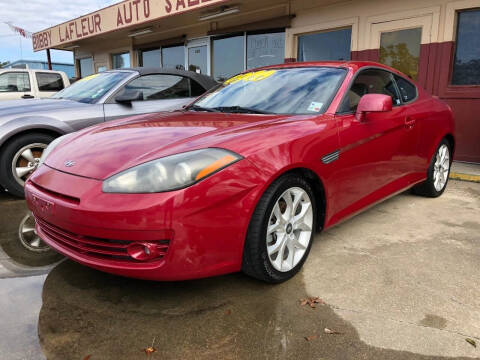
(410, 123)
(28, 96)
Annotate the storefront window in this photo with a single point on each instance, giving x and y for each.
(228, 57)
(121, 61)
(198, 59)
(173, 57)
(329, 45)
(466, 67)
(265, 49)
(151, 58)
(401, 50)
(86, 67)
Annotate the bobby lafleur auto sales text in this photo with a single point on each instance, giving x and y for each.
(117, 16)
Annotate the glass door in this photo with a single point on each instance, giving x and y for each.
(399, 42)
(198, 56)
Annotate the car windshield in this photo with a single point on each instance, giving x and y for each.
(91, 88)
(306, 90)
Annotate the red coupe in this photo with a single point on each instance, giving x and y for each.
(242, 178)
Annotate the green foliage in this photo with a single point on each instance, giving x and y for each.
(399, 57)
(4, 64)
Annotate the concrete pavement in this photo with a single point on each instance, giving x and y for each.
(399, 281)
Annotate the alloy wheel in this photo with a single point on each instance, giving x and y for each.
(28, 235)
(441, 167)
(289, 229)
(26, 160)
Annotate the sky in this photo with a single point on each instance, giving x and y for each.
(35, 15)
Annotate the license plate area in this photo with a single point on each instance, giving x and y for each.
(41, 206)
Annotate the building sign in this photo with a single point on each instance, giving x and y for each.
(125, 14)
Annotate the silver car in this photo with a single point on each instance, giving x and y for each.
(28, 126)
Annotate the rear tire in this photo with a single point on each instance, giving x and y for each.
(438, 172)
(281, 231)
(11, 158)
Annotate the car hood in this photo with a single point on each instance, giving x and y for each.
(104, 150)
(27, 106)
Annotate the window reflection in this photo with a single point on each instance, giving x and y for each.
(121, 61)
(329, 45)
(282, 91)
(466, 68)
(265, 49)
(173, 57)
(159, 87)
(228, 57)
(401, 50)
(198, 59)
(86, 67)
(151, 58)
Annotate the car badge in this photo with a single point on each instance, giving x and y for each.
(69, 163)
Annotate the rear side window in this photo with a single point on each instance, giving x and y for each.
(14, 82)
(49, 81)
(371, 81)
(408, 91)
(196, 88)
(160, 87)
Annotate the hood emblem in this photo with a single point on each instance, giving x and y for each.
(69, 163)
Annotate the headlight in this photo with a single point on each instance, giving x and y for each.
(170, 173)
(52, 146)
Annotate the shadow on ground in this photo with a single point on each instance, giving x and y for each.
(86, 312)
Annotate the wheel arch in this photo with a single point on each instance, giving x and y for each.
(451, 141)
(318, 189)
(26, 125)
(315, 182)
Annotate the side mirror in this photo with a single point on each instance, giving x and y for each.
(373, 103)
(127, 97)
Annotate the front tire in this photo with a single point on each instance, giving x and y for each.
(438, 172)
(19, 158)
(281, 230)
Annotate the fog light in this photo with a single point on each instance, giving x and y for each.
(143, 251)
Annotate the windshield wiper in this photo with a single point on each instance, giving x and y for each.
(241, 110)
(199, 108)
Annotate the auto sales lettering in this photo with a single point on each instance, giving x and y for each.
(128, 13)
(179, 5)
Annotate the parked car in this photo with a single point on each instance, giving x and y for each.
(242, 178)
(28, 126)
(30, 84)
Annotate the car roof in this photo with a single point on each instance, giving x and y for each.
(354, 65)
(26, 70)
(206, 81)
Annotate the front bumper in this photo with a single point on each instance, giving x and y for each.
(190, 233)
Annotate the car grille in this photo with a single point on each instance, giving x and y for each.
(96, 247)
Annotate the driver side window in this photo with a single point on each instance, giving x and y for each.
(159, 87)
(371, 81)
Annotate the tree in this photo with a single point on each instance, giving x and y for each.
(399, 57)
(4, 64)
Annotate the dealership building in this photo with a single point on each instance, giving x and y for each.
(435, 42)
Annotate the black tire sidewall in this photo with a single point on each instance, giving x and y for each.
(7, 180)
(267, 202)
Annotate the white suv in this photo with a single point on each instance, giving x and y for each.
(30, 84)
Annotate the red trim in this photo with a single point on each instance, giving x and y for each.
(366, 55)
(447, 52)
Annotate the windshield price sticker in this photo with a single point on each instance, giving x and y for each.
(251, 76)
(315, 106)
(89, 77)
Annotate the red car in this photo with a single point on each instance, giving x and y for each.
(242, 178)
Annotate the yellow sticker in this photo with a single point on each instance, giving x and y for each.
(251, 76)
(90, 77)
